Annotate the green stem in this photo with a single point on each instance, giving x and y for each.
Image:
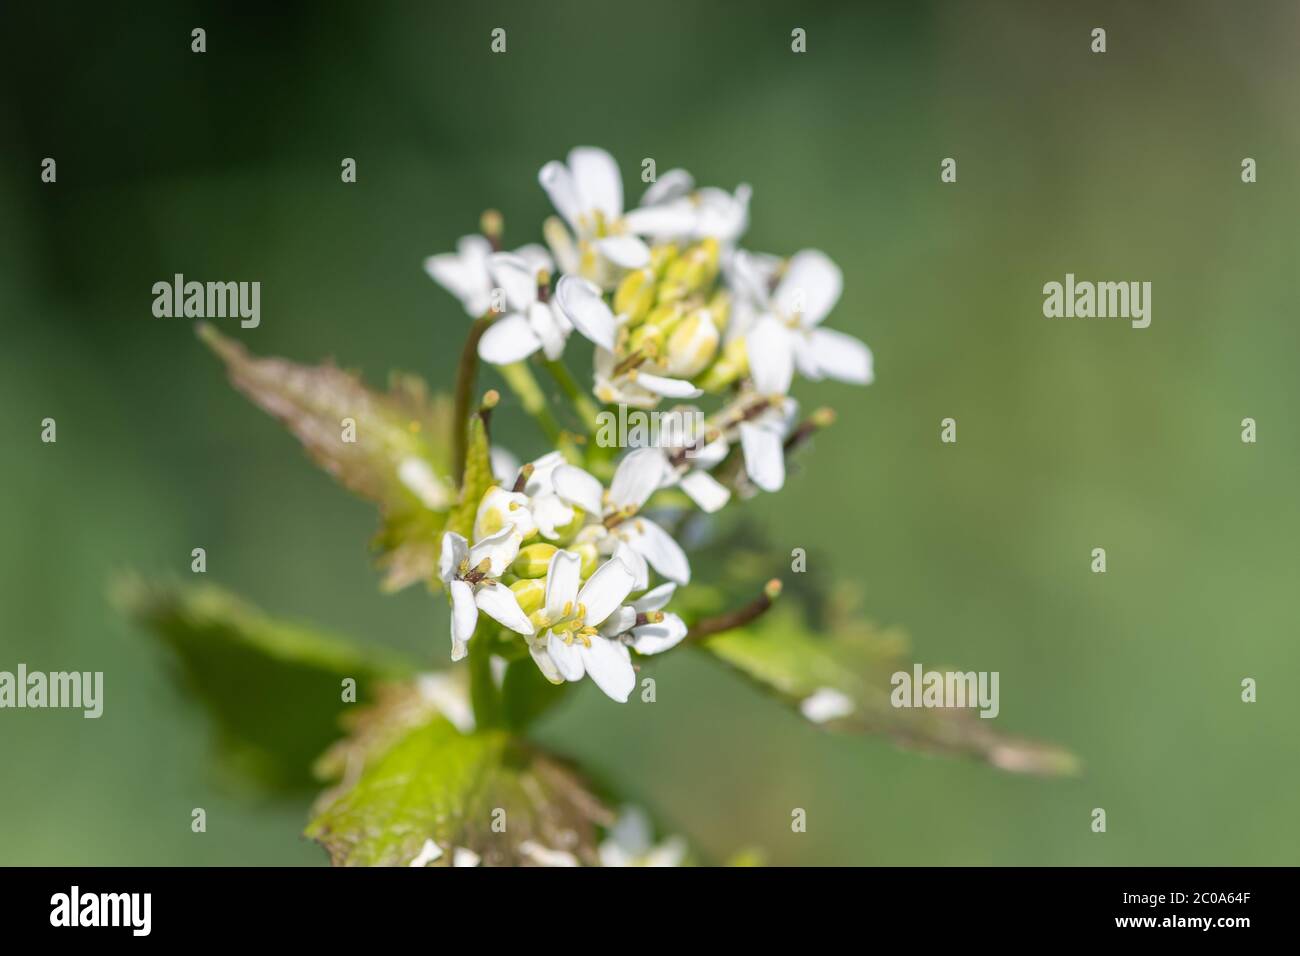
(521, 381)
(483, 692)
(466, 370)
(582, 404)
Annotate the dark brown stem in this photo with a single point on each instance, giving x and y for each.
(708, 626)
(808, 427)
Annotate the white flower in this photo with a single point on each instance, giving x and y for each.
(581, 304)
(806, 292)
(673, 209)
(638, 475)
(648, 630)
(503, 509)
(465, 274)
(687, 464)
(766, 411)
(569, 623)
(533, 322)
(630, 842)
(588, 192)
(640, 386)
(470, 576)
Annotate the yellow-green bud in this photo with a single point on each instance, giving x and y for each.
(635, 295)
(533, 560)
(590, 556)
(649, 339)
(720, 306)
(661, 257)
(564, 532)
(530, 593)
(692, 345)
(731, 365)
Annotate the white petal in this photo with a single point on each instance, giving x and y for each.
(668, 220)
(810, 287)
(514, 276)
(582, 305)
(464, 617)
(464, 856)
(656, 599)
(542, 658)
(558, 183)
(638, 475)
(499, 603)
(464, 273)
(510, 507)
(508, 339)
(771, 358)
(499, 549)
(545, 856)
(610, 666)
(598, 181)
(764, 456)
(578, 487)
(674, 184)
(551, 513)
(562, 577)
(635, 563)
(826, 703)
(705, 490)
(539, 482)
(505, 466)
(536, 258)
(668, 387)
(605, 590)
(657, 546)
(750, 274)
(455, 549)
(429, 853)
(840, 356)
(711, 454)
(722, 215)
(626, 252)
(657, 638)
(567, 657)
(542, 317)
(621, 621)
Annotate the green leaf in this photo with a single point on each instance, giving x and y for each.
(855, 659)
(275, 690)
(435, 783)
(400, 434)
(476, 480)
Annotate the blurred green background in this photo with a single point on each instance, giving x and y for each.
(1072, 434)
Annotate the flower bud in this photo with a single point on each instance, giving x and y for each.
(635, 295)
(533, 560)
(731, 365)
(692, 345)
(530, 593)
(589, 555)
(661, 257)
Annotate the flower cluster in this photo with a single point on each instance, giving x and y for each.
(675, 310)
